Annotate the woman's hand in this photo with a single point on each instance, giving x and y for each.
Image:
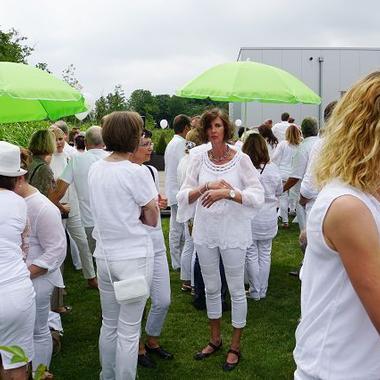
(162, 202)
(36, 271)
(221, 184)
(212, 196)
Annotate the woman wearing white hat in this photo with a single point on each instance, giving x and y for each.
(17, 297)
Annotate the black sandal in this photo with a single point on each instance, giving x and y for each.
(203, 355)
(227, 367)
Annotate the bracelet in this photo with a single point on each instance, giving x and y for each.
(200, 191)
(207, 186)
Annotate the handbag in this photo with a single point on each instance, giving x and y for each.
(133, 289)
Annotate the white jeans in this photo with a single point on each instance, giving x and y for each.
(176, 237)
(257, 263)
(234, 262)
(76, 230)
(187, 254)
(284, 206)
(121, 324)
(17, 316)
(43, 345)
(301, 216)
(159, 295)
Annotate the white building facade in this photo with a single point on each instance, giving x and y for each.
(329, 72)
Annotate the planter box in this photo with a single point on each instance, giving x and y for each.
(157, 160)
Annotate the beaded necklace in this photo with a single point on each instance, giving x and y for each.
(222, 157)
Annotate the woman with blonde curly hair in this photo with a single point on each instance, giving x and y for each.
(338, 336)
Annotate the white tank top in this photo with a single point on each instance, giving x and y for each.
(335, 338)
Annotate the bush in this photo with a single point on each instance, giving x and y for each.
(161, 145)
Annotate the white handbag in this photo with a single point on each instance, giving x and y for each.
(133, 289)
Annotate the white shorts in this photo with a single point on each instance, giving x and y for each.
(17, 316)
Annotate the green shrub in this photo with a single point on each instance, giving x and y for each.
(161, 145)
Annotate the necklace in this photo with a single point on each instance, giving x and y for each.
(222, 157)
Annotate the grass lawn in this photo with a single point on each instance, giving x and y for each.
(267, 344)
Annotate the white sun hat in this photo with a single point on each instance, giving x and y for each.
(10, 160)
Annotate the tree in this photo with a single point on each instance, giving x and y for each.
(116, 101)
(13, 47)
(101, 108)
(43, 66)
(68, 76)
(143, 102)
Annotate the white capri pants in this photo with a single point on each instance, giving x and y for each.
(187, 254)
(234, 262)
(121, 324)
(257, 263)
(159, 295)
(17, 316)
(43, 344)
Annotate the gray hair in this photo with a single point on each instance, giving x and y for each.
(309, 127)
(62, 126)
(94, 136)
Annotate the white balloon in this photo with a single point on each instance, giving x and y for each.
(163, 123)
(238, 122)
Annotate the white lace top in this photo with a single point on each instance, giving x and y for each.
(226, 224)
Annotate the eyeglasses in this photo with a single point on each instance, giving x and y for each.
(147, 144)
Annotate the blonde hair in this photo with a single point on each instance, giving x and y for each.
(351, 151)
(58, 133)
(293, 135)
(42, 143)
(194, 136)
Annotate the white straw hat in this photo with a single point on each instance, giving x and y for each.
(10, 160)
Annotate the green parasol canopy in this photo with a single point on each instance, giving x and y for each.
(28, 93)
(248, 82)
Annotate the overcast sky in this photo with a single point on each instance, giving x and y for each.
(161, 44)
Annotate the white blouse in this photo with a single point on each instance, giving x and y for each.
(47, 240)
(226, 224)
(283, 157)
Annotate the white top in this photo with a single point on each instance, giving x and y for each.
(118, 190)
(12, 225)
(308, 186)
(335, 338)
(279, 130)
(47, 239)
(76, 172)
(182, 168)
(226, 224)
(200, 149)
(69, 150)
(155, 233)
(301, 158)
(264, 224)
(58, 164)
(238, 145)
(173, 153)
(283, 157)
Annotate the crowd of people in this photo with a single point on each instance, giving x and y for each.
(101, 200)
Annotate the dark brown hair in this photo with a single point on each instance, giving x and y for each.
(209, 116)
(8, 183)
(266, 131)
(121, 131)
(256, 148)
(42, 142)
(180, 122)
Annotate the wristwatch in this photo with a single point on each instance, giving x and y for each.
(232, 194)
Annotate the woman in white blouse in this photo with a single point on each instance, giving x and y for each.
(222, 187)
(283, 158)
(264, 224)
(17, 297)
(339, 333)
(123, 199)
(46, 253)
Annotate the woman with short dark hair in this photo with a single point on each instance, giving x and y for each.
(123, 198)
(222, 188)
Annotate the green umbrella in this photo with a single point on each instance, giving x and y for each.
(247, 82)
(28, 93)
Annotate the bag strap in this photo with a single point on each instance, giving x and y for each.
(151, 172)
(261, 171)
(35, 170)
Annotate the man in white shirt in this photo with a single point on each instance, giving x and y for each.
(76, 172)
(173, 154)
(309, 129)
(280, 128)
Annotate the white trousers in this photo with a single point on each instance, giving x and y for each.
(284, 206)
(17, 317)
(234, 262)
(301, 216)
(257, 263)
(121, 324)
(76, 230)
(176, 238)
(159, 295)
(43, 345)
(187, 254)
